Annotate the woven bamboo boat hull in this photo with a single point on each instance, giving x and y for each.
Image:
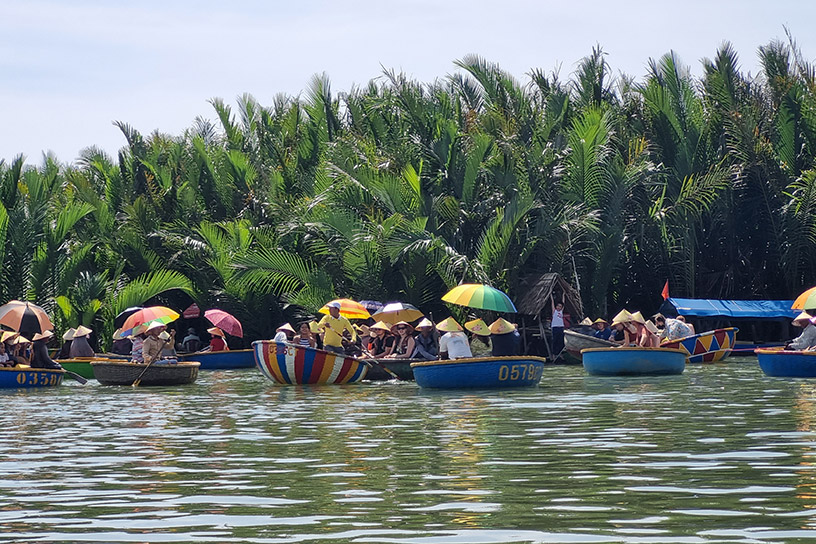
(289, 364)
(159, 373)
(400, 367)
(631, 361)
(480, 372)
(706, 347)
(25, 377)
(574, 342)
(222, 360)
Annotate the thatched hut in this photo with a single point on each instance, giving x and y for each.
(538, 289)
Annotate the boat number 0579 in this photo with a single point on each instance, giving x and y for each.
(518, 372)
(37, 378)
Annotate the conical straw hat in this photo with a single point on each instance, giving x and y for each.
(622, 317)
(586, 321)
(478, 326)
(501, 326)
(448, 325)
(637, 317)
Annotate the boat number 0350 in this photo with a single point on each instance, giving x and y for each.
(518, 372)
(37, 378)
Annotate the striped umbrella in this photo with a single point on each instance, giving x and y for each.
(805, 301)
(475, 295)
(349, 308)
(25, 317)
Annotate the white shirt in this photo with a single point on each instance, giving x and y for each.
(558, 318)
(280, 336)
(455, 344)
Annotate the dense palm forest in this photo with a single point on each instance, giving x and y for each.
(400, 189)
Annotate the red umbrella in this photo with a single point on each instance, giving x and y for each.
(226, 322)
(24, 317)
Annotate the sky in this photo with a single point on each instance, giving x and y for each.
(69, 69)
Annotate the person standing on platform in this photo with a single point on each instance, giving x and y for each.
(557, 327)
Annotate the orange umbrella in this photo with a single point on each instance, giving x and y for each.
(348, 308)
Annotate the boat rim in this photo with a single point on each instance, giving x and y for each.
(439, 362)
(143, 365)
(634, 348)
(784, 352)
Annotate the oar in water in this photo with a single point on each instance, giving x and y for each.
(139, 379)
(76, 377)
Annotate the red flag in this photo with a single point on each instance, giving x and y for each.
(665, 291)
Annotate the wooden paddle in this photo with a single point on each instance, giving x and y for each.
(76, 377)
(138, 380)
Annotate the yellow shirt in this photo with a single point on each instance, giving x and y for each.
(333, 328)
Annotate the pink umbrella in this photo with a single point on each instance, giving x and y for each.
(226, 322)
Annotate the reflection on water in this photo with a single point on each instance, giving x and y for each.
(719, 454)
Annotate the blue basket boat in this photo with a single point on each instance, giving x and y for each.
(25, 377)
(222, 360)
(479, 372)
(633, 361)
(787, 364)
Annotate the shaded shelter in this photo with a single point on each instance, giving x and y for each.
(537, 289)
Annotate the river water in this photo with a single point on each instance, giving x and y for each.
(719, 454)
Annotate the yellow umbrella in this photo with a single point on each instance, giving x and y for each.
(348, 308)
(484, 297)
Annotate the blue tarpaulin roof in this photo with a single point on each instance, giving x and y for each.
(750, 309)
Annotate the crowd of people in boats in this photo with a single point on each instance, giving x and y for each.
(632, 329)
(425, 340)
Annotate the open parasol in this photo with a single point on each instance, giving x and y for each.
(25, 317)
(484, 297)
(225, 321)
(348, 308)
(397, 311)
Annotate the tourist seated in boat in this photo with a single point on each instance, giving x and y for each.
(169, 350)
(5, 360)
(80, 347)
(363, 335)
(602, 329)
(352, 347)
(404, 342)
(646, 335)
(625, 329)
(505, 339)
(218, 340)
(480, 338)
(137, 348)
(191, 342)
(332, 327)
(305, 337)
(284, 333)
(808, 337)
(584, 327)
(454, 343)
(65, 350)
(682, 319)
(426, 345)
(381, 341)
(673, 329)
(155, 343)
(39, 351)
(20, 351)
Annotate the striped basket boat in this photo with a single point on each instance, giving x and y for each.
(706, 347)
(290, 364)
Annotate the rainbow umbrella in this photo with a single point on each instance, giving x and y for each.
(805, 301)
(474, 295)
(349, 308)
(138, 321)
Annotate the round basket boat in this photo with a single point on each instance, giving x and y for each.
(633, 361)
(159, 373)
